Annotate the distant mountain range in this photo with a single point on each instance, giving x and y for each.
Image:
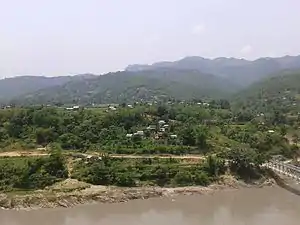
(188, 78)
(18, 86)
(240, 71)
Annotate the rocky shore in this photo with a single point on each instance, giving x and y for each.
(71, 193)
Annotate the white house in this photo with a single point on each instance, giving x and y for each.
(162, 129)
(161, 122)
(140, 132)
(75, 107)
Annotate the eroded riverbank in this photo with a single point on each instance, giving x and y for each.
(70, 194)
(252, 206)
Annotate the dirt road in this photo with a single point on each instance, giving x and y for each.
(39, 154)
(22, 154)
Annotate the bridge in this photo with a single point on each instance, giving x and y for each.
(284, 168)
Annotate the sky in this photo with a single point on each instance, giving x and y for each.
(67, 37)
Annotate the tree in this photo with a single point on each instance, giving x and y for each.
(70, 141)
(44, 136)
(161, 110)
(188, 136)
(244, 162)
(201, 137)
(137, 139)
(224, 104)
(214, 166)
(161, 175)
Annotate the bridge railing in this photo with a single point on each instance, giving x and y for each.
(284, 168)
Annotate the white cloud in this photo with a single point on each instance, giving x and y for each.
(247, 49)
(199, 29)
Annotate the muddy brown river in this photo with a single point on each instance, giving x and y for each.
(267, 206)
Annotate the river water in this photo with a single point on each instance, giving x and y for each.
(267, 206)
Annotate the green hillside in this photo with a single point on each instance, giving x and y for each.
(125, 86)
(18, 86)
(277, 93)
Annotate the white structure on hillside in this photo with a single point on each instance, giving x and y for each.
(161, 122)
(151, 127)
(140, 132)
(75, 107)
(162, 129)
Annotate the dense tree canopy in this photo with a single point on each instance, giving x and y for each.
(214, 129)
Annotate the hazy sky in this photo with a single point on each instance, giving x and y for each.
(63, 37)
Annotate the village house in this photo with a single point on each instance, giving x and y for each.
(140, 132)
(162, 129)
(151, 127)
(75, 107)
(161, 122)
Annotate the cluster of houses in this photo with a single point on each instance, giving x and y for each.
(114, 107)
(157, 129)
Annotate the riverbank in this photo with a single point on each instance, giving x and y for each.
(71, 193)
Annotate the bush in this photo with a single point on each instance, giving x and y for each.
(183, 178)
(125, 180)
(202, 179)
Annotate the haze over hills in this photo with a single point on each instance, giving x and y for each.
(240, 71)
(188, 78)
(17, 86)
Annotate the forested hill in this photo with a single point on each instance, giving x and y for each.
(186, 79)
(127, 86)
(281, 92)
(242, 72)
(18, 86)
